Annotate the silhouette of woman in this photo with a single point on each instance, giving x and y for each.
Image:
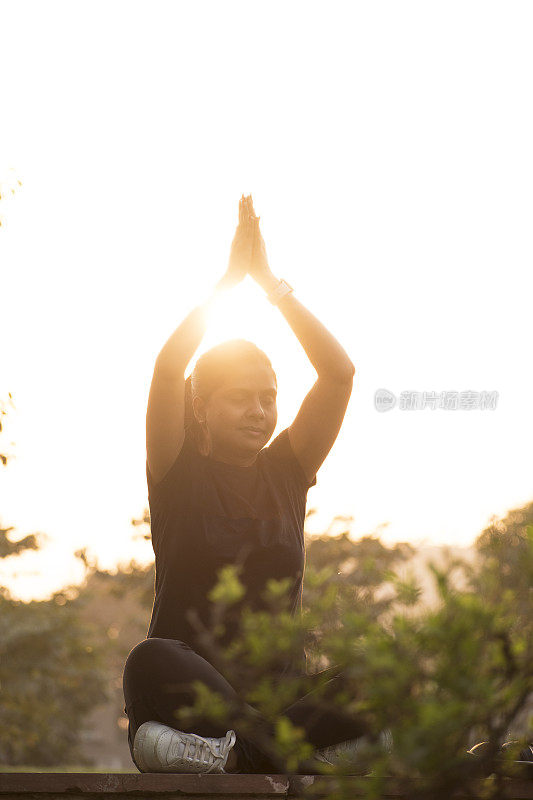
(219, 495)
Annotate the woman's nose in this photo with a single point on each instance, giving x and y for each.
(256, 409)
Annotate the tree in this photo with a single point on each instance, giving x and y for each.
(50, 671)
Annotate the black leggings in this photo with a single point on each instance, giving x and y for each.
(157, 681)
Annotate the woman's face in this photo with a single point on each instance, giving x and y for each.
(246, 399)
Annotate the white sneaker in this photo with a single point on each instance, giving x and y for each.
(344, 752)
(160, 748)
(352, 752)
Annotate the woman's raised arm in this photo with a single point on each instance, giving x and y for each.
(165, 413)
(166, 401)
(320, 417)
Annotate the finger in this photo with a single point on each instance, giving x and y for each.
(251, 211)
(247, 212)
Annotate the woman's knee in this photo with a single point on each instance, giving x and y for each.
(151, 661)
(148, 653)
(169, 664)
(156, 644)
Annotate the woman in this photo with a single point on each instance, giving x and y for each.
(219, 495)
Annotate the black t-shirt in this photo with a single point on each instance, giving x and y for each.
(205, 514)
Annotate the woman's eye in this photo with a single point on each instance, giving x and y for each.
(239, 398)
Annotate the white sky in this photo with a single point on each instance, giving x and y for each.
(387, 147)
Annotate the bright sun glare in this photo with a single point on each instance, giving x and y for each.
(388, 152)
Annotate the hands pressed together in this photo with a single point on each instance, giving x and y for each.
(248, 252)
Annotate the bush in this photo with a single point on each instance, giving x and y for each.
(439, 679)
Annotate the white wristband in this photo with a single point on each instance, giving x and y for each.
(280, 291)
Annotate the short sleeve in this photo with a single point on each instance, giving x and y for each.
(281, 452)
(176, 483)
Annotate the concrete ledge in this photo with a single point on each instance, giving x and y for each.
(124, 786)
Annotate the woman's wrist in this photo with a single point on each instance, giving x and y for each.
(267, 281)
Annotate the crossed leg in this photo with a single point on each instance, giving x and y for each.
(157, 681)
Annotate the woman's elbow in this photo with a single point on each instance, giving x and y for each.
(350, 372)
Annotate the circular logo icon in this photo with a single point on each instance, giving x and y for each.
(384, 400)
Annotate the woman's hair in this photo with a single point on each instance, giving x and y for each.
(210, 371)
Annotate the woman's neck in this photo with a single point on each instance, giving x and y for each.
(234, 459)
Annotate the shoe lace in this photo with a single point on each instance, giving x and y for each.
(200, 751)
